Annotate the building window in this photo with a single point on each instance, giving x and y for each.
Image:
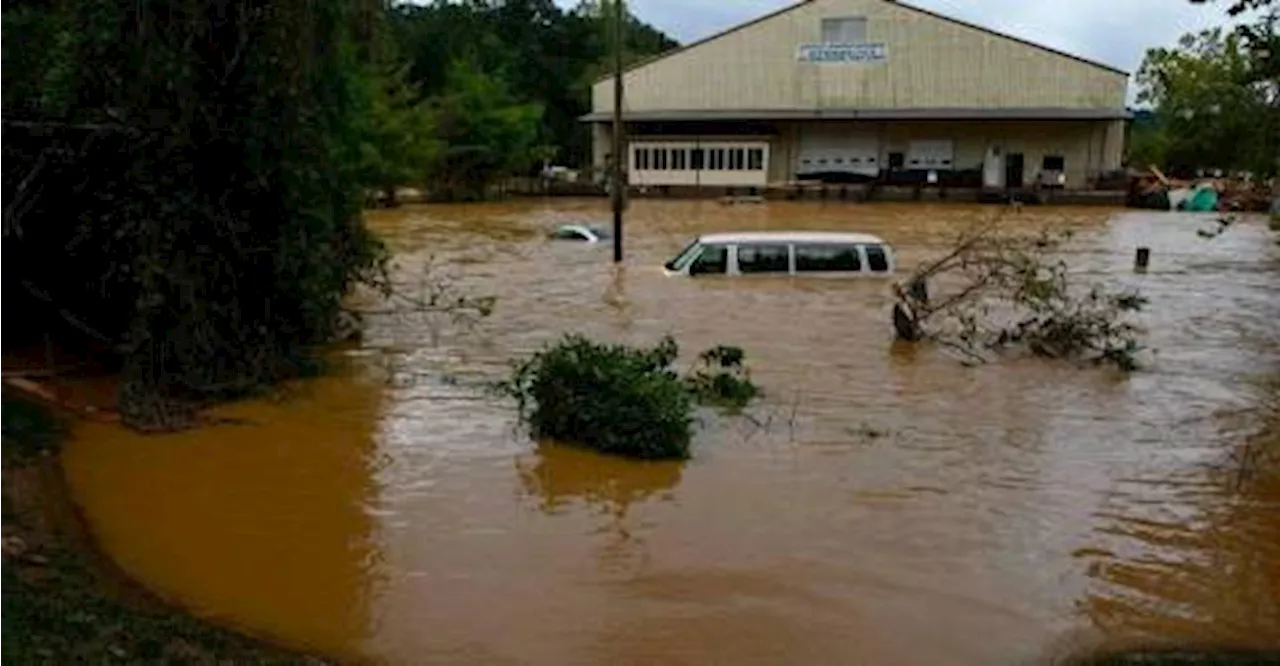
(678, 161)
(660, 159)
(697, 159)
(737, 159)
(717, 159)
(846, 30)
(763, 259)
(817, 258)
(897, 160)
(1054, 163)
(755, 159)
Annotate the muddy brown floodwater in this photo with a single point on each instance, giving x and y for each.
(894, 508)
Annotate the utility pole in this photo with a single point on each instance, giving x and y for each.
(619, 159)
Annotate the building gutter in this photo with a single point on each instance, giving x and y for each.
(1029, 113)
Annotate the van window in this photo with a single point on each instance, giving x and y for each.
(681, 260)
(827, 257)
(877, 259)
(763, 259)
(714, 260)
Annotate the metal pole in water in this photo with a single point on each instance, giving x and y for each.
(619, 185)
(1141, 259)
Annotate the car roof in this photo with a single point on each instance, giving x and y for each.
(790, 237)
(578, 226)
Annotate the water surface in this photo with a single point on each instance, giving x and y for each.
(889, 506)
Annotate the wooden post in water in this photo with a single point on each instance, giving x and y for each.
(1141, 259)
(619, 183)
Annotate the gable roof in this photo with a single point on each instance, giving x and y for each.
(761, 19)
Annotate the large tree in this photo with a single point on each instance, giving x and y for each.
(542, 55)
(1214, 110)
(182, 180)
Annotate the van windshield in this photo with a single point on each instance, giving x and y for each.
(681, 260)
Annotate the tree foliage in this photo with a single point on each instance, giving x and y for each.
(1214, 109)
(536, 52)
(184, 179)
(484, 129)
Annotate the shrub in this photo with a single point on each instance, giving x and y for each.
(30, 429)
(622, 400)
(721, 379)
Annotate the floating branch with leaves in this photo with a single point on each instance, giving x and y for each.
(1007, 291)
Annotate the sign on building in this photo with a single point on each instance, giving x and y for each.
(843, 53)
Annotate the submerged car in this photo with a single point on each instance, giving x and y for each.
(588, 233)
(802, 253)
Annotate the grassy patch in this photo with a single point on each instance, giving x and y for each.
(29, 430)
(1226, 657)
(53, 614)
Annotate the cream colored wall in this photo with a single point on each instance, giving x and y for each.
(1088, 147)
(931, 63)
(601, 143)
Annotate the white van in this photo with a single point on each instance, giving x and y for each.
(805, 253)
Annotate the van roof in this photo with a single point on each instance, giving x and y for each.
(790, 237)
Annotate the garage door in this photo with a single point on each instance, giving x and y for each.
(933, 154)
(837, 154)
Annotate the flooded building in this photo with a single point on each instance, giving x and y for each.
(865, 90)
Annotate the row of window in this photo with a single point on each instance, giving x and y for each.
(776, 259)
(698, 159)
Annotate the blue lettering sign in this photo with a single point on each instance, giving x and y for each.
(842, 53)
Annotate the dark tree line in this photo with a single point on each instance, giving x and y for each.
(527, 63)
(181, 185)
(183, 179)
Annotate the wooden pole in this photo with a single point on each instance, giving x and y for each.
(619, 184)
(1141, 259)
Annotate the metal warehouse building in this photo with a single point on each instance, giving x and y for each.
(859, 90)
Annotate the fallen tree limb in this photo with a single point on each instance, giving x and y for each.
(1013, 292)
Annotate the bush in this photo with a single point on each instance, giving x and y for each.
(622, 400)
(722, 379)
(30, 429)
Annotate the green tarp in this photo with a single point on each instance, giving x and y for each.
(1204, 200)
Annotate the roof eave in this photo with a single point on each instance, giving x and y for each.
(956, 114)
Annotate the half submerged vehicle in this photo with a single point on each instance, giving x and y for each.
(797, 253)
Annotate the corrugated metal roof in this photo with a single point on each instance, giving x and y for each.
(1028, 113)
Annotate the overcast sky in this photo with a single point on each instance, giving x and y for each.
(1114, 32)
